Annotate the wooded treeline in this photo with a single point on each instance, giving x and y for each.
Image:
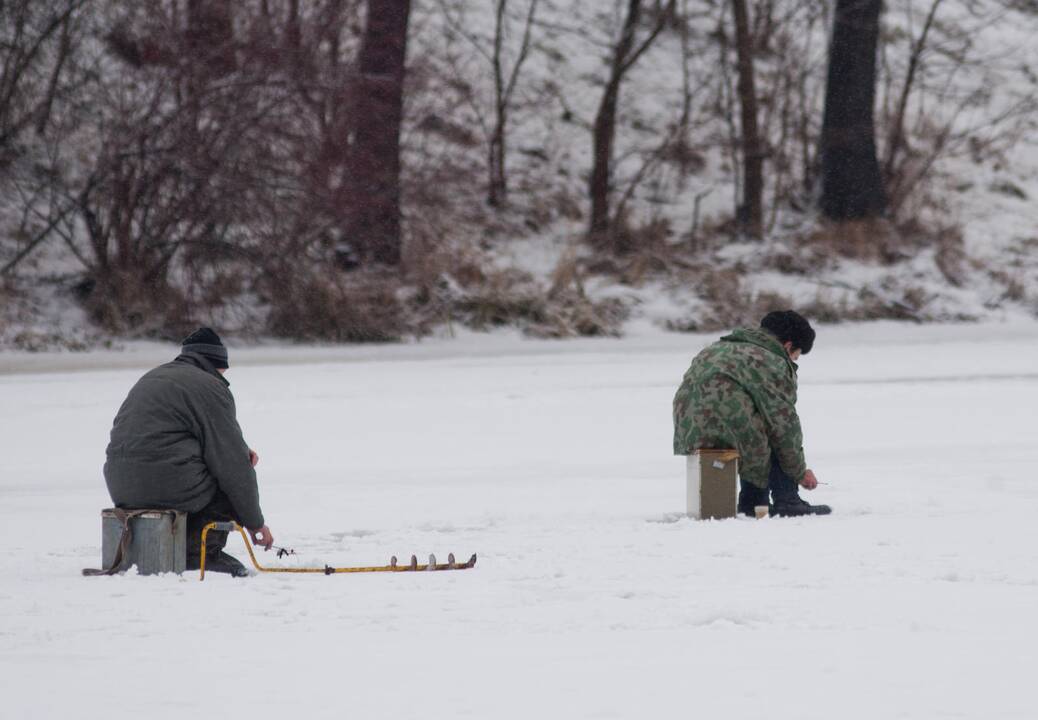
(323, 160)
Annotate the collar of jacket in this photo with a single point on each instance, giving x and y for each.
(202, 363)
(761, 338)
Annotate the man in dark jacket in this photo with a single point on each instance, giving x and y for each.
(176, 444)
(741, 393)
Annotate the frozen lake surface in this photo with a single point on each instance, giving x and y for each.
(593, 597)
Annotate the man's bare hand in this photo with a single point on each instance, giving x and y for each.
(810, 482)
(262, 537)
(253, 457)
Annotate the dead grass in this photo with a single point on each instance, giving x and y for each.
(874, 240)
(887, 302)
(461, 287)
(121, 303)
(728, 304)
(345, 307)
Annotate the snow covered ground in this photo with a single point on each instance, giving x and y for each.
(593, 596)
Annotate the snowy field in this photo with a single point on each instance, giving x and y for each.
(593, 596)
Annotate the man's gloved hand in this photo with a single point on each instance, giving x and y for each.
(263, 537)
(809, 482)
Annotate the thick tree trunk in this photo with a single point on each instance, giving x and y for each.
(497, 187)
(852, 185)
(626, 54)
(605, 129)
(751, 212)
(497, 191)
(601, 171)
(374, 187)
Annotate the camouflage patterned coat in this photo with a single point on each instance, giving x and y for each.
(741, 393)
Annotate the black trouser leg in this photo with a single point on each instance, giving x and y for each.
(750, 496)
(218, 510)
(782, 486)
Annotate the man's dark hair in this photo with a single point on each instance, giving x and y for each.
(790, 326)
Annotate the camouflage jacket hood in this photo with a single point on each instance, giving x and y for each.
(763, 339)
(741, 392)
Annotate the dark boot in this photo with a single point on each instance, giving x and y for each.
(750, 496)
(795, 506)
(786, 496)
(218, 562)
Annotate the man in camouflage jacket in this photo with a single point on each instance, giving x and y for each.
(741, 393)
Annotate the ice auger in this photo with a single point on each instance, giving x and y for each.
(393, 566)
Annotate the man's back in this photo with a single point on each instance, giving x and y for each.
(740, 393)
(175, 442)
(158, 420)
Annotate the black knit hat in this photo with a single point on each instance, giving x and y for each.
(206, 343)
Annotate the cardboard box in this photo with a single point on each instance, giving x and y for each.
(712, 484)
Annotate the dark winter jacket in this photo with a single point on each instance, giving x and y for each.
(176, 441)
(741, 393)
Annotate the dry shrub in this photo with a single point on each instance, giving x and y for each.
(570, 312)
(1015, 289)
(8, 297)
(568, 205)
(541, 209)
(452, 285)
(122, 303)
(354, 307)
(20, 312)
(728, 304)
(436, 275)
(627, 238)
(513, 299)
(504, 297)
(887, 301)
(951, 258)
(648, 254)
(1009, 189)
(800, 260)
(33, 341)
(873, 240)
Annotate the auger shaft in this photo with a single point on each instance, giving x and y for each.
(393, 566)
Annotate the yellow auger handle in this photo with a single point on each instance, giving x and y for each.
(233, 526)
(230, 527)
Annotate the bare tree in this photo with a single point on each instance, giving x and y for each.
(35, 41)
(145, 201)
(852, 184)
(896, 132)
(374, 187)
(504, 89)
(40, 75)
(210, 35)
(505, 82)
(751, 211)
(627, 51)
(179, 158)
